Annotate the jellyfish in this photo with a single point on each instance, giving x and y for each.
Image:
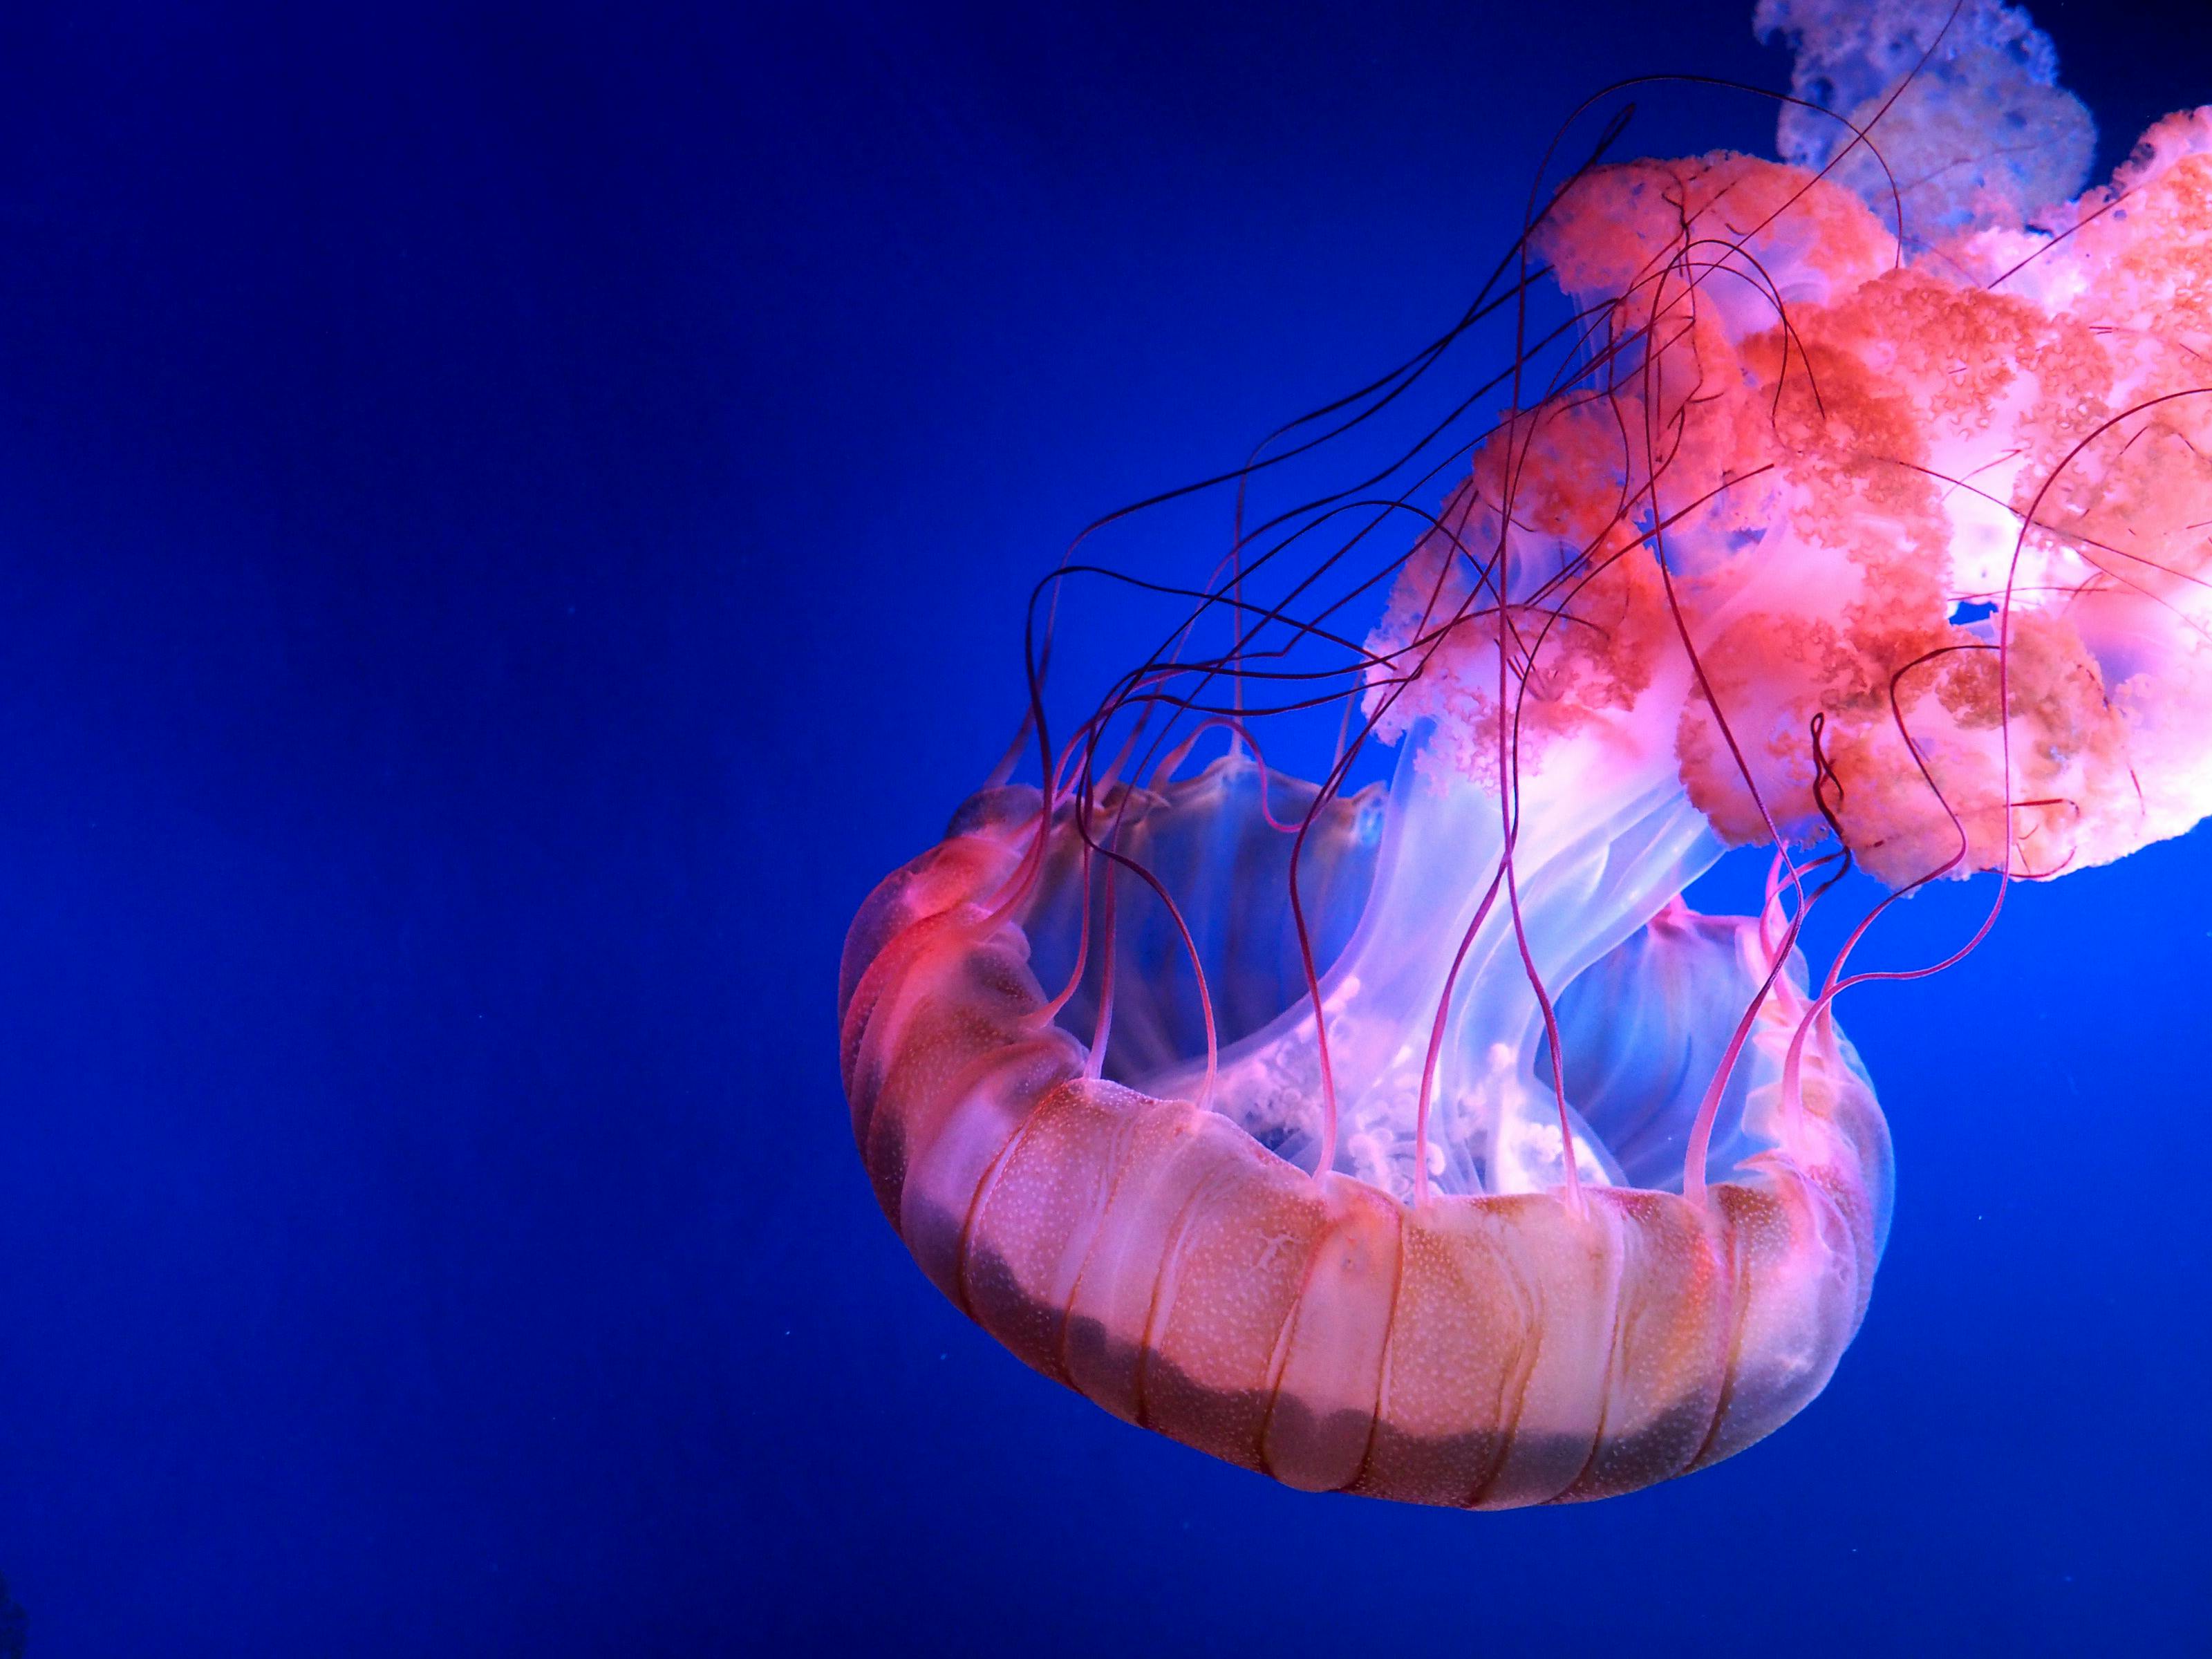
(1414, 1137)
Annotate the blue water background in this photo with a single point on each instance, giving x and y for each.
(511, 519)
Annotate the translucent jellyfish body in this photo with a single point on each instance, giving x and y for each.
(1419, 1141)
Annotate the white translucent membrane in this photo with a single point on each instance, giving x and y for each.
(1646, 994)
(1596, 857)
(1208, 843)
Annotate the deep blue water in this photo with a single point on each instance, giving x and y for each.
(511, 519)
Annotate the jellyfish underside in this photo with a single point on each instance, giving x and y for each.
(1485, 1349)
(1647, 994)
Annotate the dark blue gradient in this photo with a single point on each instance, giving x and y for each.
(511, 519)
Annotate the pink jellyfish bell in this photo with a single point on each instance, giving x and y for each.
(1419, 1141)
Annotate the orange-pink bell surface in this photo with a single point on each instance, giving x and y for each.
(1482, 1350)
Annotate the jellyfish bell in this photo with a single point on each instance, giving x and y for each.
(1418, 1138)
